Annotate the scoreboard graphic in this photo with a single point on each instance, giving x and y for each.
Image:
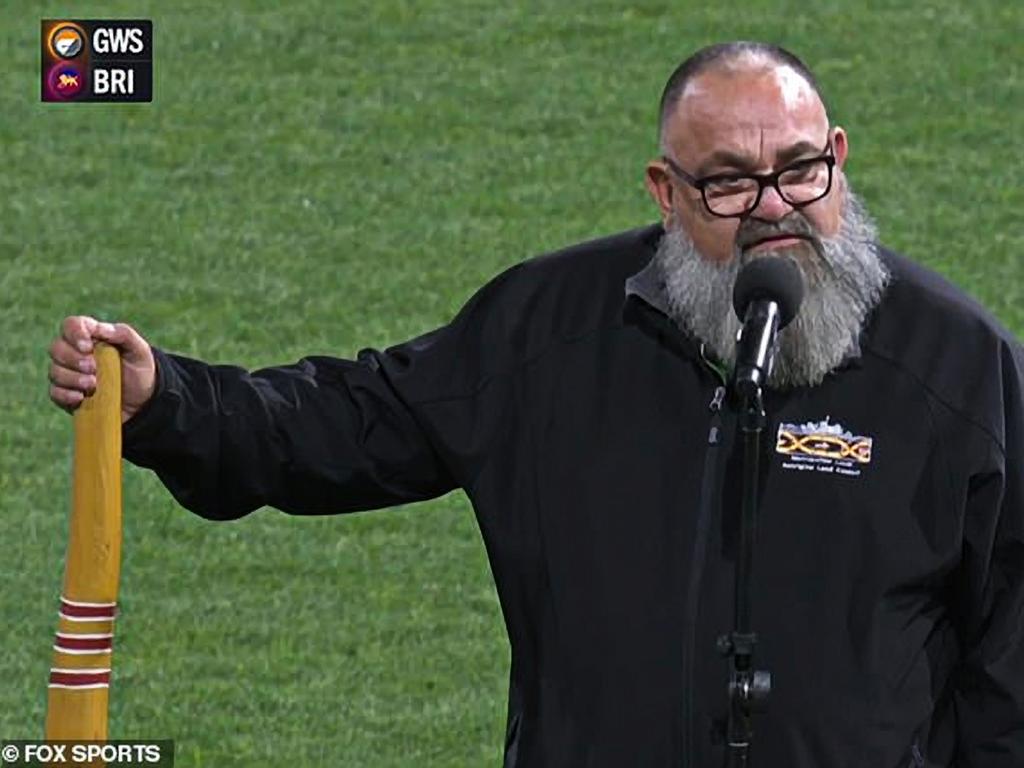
(108, 60)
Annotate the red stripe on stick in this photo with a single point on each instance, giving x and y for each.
(79, 678)
(87, 611)
(83, 643)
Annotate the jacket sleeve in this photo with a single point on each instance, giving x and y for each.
(989, 696)
(321, 436)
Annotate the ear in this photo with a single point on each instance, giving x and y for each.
(841, 145)
(659, 185)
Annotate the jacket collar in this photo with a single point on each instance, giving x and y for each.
(646, 300)
(648, 284)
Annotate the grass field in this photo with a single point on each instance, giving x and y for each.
(317, 177)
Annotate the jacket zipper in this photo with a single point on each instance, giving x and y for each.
(705, 507)
(917, 759)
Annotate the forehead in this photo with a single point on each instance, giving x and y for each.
(751, 110)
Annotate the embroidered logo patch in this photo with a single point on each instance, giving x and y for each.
(823, 447)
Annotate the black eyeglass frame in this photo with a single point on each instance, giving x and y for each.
(762, 179)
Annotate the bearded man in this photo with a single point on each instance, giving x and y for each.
(580, 401)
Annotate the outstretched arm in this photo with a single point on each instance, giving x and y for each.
(322, 436)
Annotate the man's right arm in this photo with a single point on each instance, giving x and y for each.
(324, 435)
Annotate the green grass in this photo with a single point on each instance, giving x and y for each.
(341, 175)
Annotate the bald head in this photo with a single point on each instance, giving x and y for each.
(734, 111)
(734, 58)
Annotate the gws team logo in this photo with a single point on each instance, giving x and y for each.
(65, 81)
(67, 41)
(823, 447)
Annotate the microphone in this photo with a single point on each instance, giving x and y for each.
(766, 297)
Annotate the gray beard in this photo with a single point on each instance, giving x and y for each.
(843, 284)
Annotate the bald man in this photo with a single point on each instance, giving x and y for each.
(580, 399)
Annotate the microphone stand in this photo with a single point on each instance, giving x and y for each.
(748, 687)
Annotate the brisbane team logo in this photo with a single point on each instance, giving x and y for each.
(65, 81)
(823, 447)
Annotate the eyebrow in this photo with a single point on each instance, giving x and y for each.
(725, 159)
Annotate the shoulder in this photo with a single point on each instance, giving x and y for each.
(600, 263)
(945, 339)
(917, 288)
(922, 310)
(523, 313)
(562, 293)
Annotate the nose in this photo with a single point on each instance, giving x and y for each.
(771, 206)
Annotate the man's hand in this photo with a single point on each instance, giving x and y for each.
(73, 367)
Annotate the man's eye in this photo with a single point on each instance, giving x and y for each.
(800, 172)
(727, 187)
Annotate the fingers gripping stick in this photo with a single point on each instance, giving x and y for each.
(80, 677)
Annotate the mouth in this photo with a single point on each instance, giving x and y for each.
(774, 242)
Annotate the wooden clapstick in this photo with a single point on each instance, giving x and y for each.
(80, 677)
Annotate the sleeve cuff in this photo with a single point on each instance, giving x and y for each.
(152, 418)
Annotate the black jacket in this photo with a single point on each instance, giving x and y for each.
(889, 563)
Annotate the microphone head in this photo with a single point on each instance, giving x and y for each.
(771, 278)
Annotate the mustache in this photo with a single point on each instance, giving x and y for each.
(795, 224)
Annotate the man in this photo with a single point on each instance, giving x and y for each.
(580, 401)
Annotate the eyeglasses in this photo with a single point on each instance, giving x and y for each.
(729, 195)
